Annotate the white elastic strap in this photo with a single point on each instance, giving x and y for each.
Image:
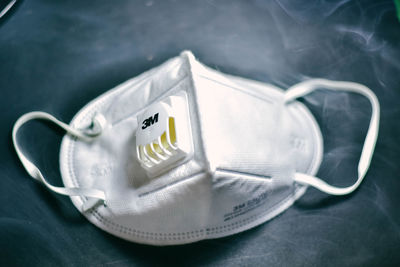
(307, 87)
(35, 172)
(7, 8)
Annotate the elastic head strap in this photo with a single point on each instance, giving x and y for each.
(34, 172)
(309, 86)
(7, 8)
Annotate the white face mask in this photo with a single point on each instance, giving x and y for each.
(183, 153)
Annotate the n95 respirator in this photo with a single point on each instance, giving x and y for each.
(183, 153)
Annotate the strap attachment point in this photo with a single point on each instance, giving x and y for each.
(97, 125)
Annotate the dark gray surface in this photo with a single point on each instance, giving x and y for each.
(56, 56)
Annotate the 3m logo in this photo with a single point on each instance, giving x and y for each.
(150, 121)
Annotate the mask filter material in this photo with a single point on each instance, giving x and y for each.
(183, 153)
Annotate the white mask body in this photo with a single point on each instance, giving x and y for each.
(246, 146)
(183, 153)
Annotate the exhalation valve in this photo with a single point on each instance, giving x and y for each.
(163, 136)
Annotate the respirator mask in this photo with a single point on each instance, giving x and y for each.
(183, 153)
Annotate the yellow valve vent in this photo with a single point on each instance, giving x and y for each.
(163, 136)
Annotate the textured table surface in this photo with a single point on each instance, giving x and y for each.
(56, 56)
